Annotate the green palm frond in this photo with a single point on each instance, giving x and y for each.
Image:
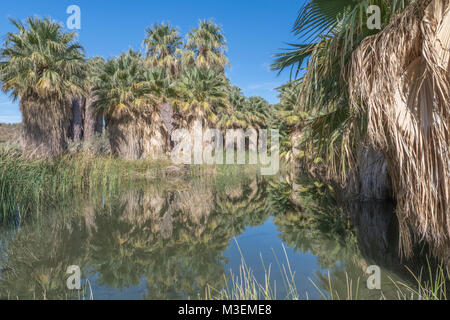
(344, 20)
(123, 86)
(40, 59)
(200, 92)
(163, 46)
(206, 47)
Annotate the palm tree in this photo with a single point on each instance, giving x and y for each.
(200, 92)
(290, 122)
(406, 97)
(206, 46)
(43, 67)
(156, 140)
(163, 47)
(289, 93)
(258, 112)
(93, 121)
(130, 96)
(330, 32)
(365, 88)
(125, 100)
(232, 115)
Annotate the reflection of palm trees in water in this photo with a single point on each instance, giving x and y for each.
(172, 235)
(194, 205)
(245, 204)
(36, 259)
(346, 244)
(313, 224)
(204, 221)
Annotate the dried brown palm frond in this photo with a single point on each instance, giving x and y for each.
(125, 131)
(41, 137)
(401, 77)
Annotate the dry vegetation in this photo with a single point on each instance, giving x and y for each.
(406, 97)
(10, 133)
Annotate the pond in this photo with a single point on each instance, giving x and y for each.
(182, 238)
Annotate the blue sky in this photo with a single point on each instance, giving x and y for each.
(254, 29)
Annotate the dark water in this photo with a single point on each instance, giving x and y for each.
(176, 239)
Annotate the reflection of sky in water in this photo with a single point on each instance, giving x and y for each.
(106, 293)
(262, 242)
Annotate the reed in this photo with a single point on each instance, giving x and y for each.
(245, 286)
(28, 186)
(430, 284)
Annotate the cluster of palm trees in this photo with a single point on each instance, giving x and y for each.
(140, 97)
(377, 103)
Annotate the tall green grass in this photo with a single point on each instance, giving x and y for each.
(431, 284)
(28, 186)
(245, 286)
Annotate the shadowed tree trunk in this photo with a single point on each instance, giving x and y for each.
(370, 180)
(167, 116)
(76, 125)
(45, 126)
(86, 122)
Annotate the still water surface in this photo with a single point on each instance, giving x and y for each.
(176, 239)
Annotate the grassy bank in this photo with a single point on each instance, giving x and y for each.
(28, 186)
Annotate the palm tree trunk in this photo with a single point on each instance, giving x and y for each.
(93, 122)
(154, 138)
(45, 126)
(125, 137)
(167, 116)
(76, 125)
